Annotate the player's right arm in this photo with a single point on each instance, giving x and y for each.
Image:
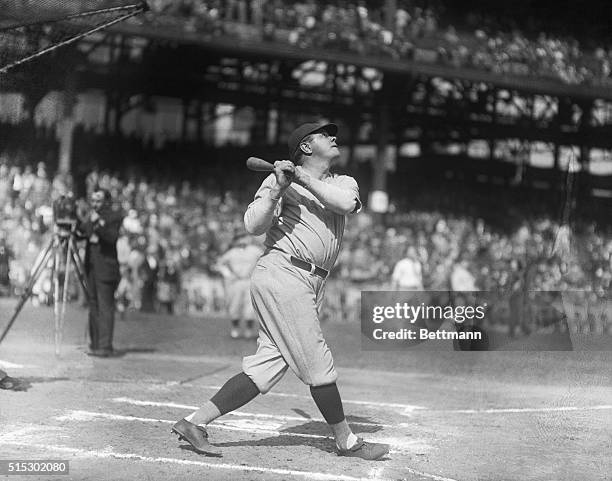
(261, 212)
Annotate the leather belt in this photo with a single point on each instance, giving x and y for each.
(307, 266)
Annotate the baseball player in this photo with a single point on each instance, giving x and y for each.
(236, 265)
(302, 208)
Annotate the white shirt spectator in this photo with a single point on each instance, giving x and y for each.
(131, 223)
(408, 274)
(123, 250)
(462, 279)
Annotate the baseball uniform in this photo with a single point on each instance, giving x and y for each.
(302, 209)
(238, 264)
(290, 334)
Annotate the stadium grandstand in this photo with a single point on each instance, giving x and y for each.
(474, 131)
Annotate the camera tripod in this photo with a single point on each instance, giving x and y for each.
(61, 252)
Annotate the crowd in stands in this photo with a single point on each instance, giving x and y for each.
(169, 232)
(173, 233)
(416, 31)
(462, 252)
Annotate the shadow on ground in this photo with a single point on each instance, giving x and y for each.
(318, 428)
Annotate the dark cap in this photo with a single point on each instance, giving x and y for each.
(306, 129)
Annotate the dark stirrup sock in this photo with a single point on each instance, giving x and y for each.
(235, 393)
(327, 399)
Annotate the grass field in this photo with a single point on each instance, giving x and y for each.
(448, 415)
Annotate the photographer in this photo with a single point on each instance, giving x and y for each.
(101, 229)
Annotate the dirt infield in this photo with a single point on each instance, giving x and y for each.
(448, 415)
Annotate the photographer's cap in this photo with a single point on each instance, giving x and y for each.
(306, 129)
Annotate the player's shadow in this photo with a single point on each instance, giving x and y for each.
(358, 425)
(189, 447)
(294, 435)
(283, 440)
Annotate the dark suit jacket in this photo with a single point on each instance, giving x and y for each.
(101, 257)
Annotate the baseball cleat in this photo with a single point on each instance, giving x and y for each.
(364, 450)
(194, 435)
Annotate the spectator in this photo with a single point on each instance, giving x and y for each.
(461, 278)
(408, 273)
(148, 272)
(167, 286)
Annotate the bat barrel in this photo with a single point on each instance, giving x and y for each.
(259, 165)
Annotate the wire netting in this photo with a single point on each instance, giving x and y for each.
(38, 35)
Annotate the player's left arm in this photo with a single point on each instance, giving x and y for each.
(342, 197)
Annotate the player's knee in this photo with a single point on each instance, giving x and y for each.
(264, 385)
(263, 379)
(323, 378)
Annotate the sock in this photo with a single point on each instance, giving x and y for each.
(235, 393)
(206, 414)
(327, 399)
(343, 435)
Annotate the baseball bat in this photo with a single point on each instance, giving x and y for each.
(259, 165)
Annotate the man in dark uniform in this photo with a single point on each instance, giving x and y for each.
(101, 229)
(5, 259)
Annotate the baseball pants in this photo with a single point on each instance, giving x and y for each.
(238, 296)
(287, 302)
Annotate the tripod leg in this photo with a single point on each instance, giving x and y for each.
(56, 295)
(36, 271)
(54, 266)
(62, 316)
(79, 268)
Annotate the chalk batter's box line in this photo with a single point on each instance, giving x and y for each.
(399, 444)
(313, 475)
(139, 402)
